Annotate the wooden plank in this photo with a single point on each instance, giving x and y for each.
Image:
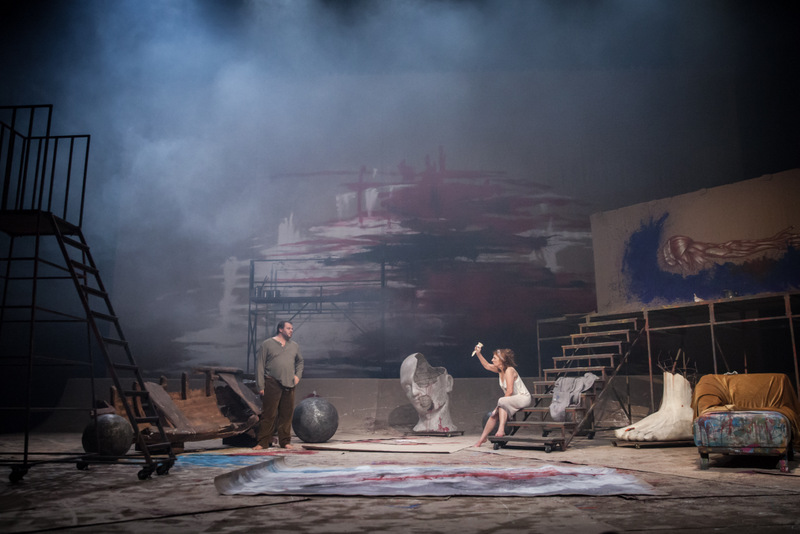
(167, 407)
(243, 392)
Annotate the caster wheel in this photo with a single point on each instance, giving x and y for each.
(496, 445)
(17, 473)
(82, 466)
(590, 435)
(163, 469)
(145, 473)
(704, 462)
(545, 433)
(548, 448)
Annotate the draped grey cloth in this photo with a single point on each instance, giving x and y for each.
(567, 392)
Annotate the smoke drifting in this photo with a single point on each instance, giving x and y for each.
(203, 114)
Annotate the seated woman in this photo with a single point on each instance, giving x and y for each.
(516, 395)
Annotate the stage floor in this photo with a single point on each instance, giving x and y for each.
(737, 494)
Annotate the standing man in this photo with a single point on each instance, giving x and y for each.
(278, 370)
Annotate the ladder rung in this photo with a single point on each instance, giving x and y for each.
(113, 341)
(83, 267)
(125, 366)
(105, 316)
(77, 244)
(93, 291)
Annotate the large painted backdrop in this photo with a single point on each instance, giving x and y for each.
(424, 258)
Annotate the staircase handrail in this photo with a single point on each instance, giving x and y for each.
(606, 387)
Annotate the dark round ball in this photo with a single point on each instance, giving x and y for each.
(112, 435)
(315, 420)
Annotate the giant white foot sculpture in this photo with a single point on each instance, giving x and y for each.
(672, 421)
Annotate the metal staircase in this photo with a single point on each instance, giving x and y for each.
(55, 312)
(599, 347)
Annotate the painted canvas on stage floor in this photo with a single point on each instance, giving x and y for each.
(275, 477)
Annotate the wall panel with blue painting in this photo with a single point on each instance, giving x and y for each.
(734, 240)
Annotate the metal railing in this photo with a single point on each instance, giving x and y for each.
(41, 171)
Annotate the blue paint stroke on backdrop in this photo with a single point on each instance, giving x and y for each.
(648, 282)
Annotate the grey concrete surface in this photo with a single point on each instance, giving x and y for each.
(737, 495)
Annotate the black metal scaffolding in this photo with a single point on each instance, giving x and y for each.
(281, 289)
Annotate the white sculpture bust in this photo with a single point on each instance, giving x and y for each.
(428, 388)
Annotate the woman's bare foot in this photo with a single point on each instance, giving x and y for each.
(258, 448)
(500, 434)
(481, 442)
(288, 446)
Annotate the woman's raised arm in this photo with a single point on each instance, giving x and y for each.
(486, 365)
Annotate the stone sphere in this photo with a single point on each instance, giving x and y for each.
(315, 420)
(111, 435)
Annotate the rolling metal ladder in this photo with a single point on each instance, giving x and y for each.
(53, 295)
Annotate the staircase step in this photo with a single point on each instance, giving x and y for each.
(544, 396)
(548, 385)
(596, 345)
(610, 356)
(601, 333)
(586, 369)
(546, 409)
(543, 424)
(570, 417)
